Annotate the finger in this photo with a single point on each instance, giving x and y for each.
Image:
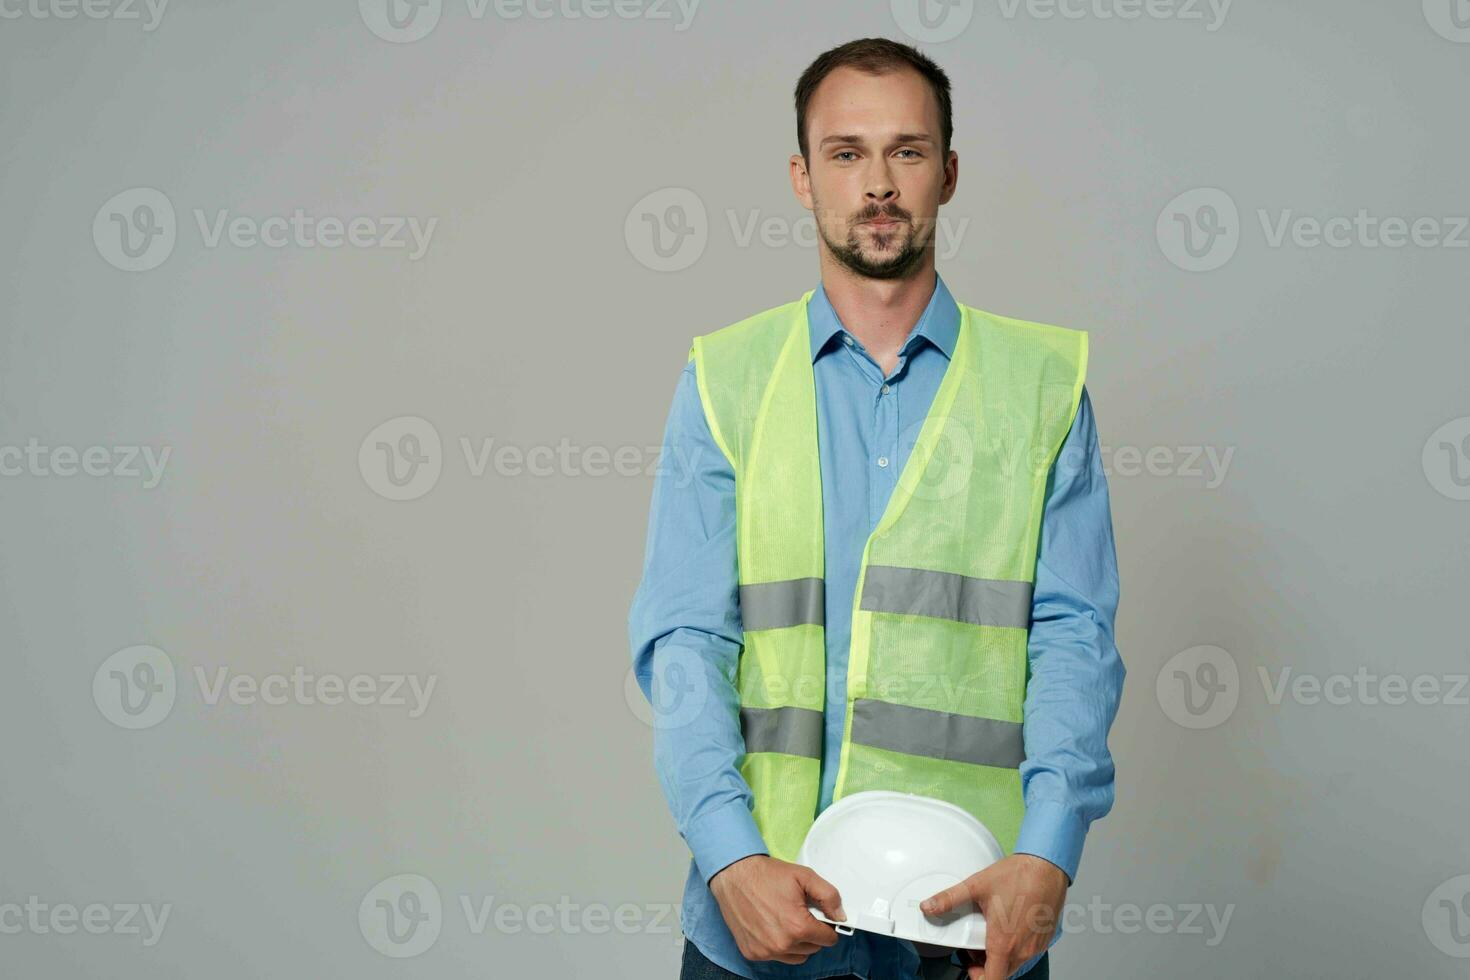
(822, 891)
(817, 931)
(997, 964)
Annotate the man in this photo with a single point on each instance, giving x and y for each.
(888, 564)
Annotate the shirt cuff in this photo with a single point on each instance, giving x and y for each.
(1054, 832)
(723, 836)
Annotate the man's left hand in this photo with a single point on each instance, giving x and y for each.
(1021, 898)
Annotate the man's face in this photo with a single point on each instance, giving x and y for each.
(877, 175)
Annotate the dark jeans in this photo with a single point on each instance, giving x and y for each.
(697, 966)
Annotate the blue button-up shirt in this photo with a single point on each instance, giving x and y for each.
(684, 624)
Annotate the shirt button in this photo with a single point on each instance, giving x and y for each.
(882, 460)
(847, 340)
(885, 389)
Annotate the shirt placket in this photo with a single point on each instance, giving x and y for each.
(883, 434)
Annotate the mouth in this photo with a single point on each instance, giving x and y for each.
(883, 222)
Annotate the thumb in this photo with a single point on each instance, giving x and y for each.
(972, 889)
(821, 891)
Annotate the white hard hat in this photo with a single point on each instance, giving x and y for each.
(886, 852)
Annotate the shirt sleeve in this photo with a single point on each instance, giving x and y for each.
(685, 632)
(1076, 673)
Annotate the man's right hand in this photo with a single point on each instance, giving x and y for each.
(764, 902)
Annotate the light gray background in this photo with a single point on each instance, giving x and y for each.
(1330, 545)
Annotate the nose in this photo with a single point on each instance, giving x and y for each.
(882, 195)
(881, 190)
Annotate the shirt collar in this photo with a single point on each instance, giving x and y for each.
(939, 323)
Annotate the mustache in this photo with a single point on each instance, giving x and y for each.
(894, 212)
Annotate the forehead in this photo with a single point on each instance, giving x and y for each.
(853, 101)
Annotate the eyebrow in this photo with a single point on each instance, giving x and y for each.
(859, 141)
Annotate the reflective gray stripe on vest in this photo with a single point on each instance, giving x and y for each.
(794, 731)
(937, 734)
(947, 595)
(771, 605)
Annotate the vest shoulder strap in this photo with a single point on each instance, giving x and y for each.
(735, 364)
(1026, 353)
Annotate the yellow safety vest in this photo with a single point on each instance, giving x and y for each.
(937, 670)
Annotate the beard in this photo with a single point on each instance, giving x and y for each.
(888, 254)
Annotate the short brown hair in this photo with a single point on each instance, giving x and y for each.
(876, 56)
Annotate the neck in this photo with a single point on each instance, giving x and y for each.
(878, 312)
